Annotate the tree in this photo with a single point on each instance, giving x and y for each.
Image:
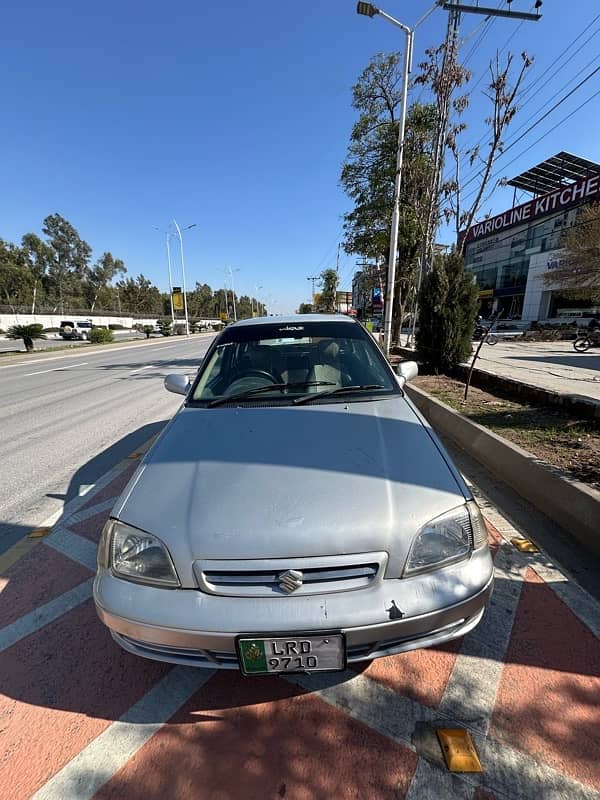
(38, 256)
(164, 326)
(27, 333)
(101, 275)
(368, 175)
(305, 308)
(448, 303)
(442, 73)
(15, 280)
(329, 282)
(579, 273)
(139, 296)
(71, 254)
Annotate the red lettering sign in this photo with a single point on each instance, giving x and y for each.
(539, 207)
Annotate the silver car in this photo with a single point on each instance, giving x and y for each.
(296, 514)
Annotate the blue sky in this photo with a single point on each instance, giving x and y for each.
(235, 116)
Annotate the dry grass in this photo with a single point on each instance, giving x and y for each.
(571, 444)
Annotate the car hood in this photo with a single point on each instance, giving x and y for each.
(282, 482)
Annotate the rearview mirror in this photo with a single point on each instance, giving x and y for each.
(179, 384)
(406, 371)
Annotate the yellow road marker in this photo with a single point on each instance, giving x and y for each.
(524, 545)
(38, 533)
(459, 751)
(134, 455)
(17, 551)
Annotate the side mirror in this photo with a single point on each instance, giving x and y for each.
(179, 384)
(406, 371)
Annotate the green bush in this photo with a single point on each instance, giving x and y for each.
(115, 326)
(1, 331)
(218, 327)
(447, 307)
(164, 326)
(148, 329)
(101, 336)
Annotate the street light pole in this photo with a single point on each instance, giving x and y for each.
(369, 10)
(185, 306)
(168, 235)
(231, 271)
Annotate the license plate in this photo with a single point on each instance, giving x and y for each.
(294, 653)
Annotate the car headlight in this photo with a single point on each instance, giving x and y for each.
(136, 555)
(447, 539)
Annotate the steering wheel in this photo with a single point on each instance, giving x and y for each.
(256, 373)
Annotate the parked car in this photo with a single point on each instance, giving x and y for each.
(296, 514)
(75, 330)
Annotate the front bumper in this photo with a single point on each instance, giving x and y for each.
(151, 622)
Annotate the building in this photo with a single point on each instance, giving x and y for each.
(510, 254)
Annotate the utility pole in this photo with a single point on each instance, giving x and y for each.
(313, 278)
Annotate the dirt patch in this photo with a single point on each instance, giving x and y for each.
(571, 444)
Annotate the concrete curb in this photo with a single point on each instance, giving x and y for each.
(573, 505)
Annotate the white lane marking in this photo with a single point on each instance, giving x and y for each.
(141, 369)
(166, 347)
(42, 615)
(55, 369)
(96, 764)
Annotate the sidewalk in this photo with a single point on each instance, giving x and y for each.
(82, 719)
(554, 366)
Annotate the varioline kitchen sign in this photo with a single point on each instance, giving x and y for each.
(574, 193)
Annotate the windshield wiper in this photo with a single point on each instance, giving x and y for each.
(340, 390)
(248, 393)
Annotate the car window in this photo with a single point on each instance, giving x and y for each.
(312, 358)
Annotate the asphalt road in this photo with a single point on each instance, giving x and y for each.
(66, 419)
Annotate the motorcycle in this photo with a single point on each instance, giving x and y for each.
(481, 332)
(585, 341)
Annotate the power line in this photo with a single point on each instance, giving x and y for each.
(555, 64)
(531, 127)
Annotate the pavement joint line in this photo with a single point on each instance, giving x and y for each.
(73, 546)
(430, 782)
(483, 650)
(97, 763)
(88, 513)
(575, 597)
(508, 772)
(44, 614)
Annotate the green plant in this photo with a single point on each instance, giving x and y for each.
(448, 303)
(164, 326)
(218, 326)
(148, 329)
(27, 333)
(101, 336)
(115, 326)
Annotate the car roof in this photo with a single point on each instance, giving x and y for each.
(295, 319)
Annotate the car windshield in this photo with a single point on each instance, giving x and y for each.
(280, 362)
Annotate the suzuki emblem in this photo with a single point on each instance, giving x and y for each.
(290, 580)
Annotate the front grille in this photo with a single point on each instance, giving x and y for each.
(264, 578)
